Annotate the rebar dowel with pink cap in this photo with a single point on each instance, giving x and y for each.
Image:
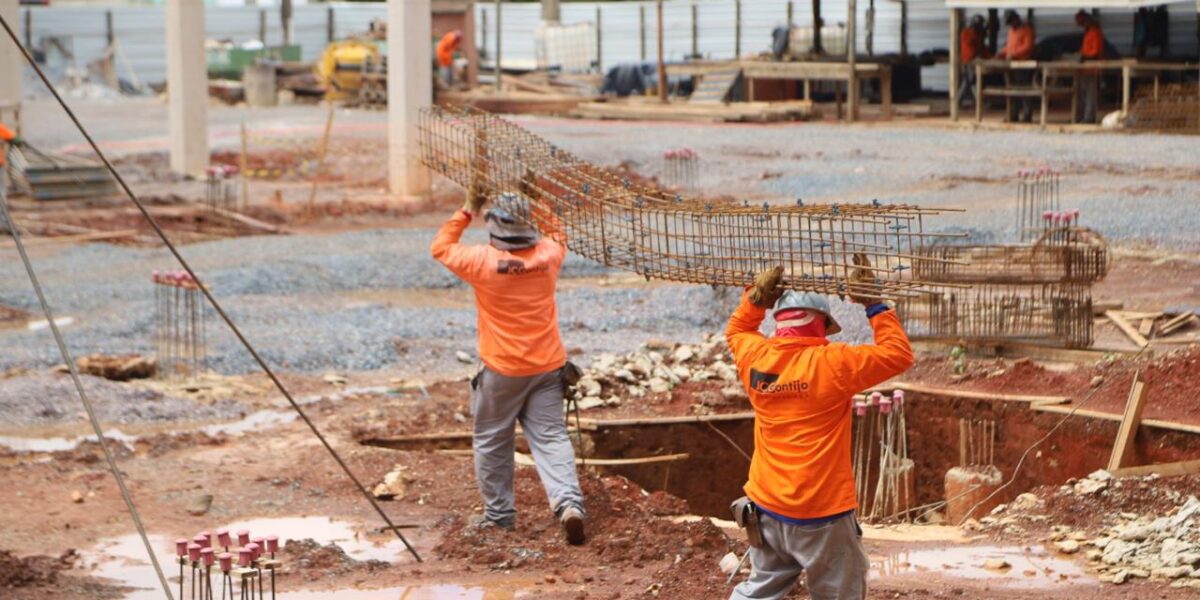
(226, 564)
(206, 558)
(181, 558)
(271, 564)
(193, 554)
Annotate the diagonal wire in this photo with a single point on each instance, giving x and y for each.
(87, 403)
(207, 294)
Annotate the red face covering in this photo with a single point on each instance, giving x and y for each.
(797, 322)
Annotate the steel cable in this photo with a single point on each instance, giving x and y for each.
(204, 289)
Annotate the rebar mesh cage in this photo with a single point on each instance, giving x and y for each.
(1003, 311)
(1064, 255)
(620, 223)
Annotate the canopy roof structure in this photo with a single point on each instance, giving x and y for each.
(1036, 4)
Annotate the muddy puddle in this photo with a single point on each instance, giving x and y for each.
(123, 560)
(256, 421)
(1029, 568)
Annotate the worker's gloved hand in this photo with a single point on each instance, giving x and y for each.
(18, 141)
(863, 288)
(767, 290)
(475, 201)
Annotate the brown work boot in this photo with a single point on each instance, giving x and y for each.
(572, 522)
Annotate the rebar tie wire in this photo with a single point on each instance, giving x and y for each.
(212, 300)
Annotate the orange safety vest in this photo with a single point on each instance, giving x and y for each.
(514, 295)
(445, 50)
(801, 389)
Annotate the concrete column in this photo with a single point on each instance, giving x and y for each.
(852, 60)
(410, 88)
(551, 12)
(12, 64)
(955, 62)
(187, 87)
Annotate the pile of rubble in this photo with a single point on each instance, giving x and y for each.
(657, 368)
(1164, 546)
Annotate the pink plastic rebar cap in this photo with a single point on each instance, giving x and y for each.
(860, 408)
(898, 397)
(885, 405)
(244, 557)
(193, 551)
(208, 538)
(226, 561)
(200, 540)
(272, 544)
(181, 545)
(1047, 215)
(206, 555)
(876, 397)
(256, 548)
(223, 537)
(243, 537)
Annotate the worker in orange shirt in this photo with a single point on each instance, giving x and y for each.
(801, 492)
(446, 48)
(9, 138)
(1091, 48)
(971, 46)
(514, 278)
(1019, 46)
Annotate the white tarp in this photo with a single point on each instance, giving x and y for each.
(1036, 4)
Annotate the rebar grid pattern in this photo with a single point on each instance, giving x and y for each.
(1063, 255)
(680, 168)
(1037, 197)
(999, 311)
(1175, 108)
(619, 223)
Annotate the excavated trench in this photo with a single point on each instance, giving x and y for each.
(714, 472)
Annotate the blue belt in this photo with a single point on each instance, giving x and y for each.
(794, 521)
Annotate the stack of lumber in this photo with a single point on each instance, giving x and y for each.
(638, 109)
(1142, 327)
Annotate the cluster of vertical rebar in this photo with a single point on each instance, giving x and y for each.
(221, 189)
(620, 223)
(680, 168)
(181, 329)
(880, 421)
(1172, 108)
(1037, 195)
(976, 442)
(198, 557)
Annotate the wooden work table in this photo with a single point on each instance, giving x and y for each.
(1045, 73)
(797, 71)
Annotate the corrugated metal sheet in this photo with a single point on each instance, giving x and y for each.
(140, 29)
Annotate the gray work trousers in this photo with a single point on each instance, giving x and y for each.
(830, 554)
(498, 402)
(1089, 97)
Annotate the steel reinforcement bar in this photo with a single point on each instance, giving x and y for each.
(661, 235)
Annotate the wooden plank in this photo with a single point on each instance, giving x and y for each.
(1183, 467)
(1176, 323)
(917, 388)
(1123, 448)
(247, 221)
(1126, 328)
(527, 460)
(1145, 327)
(1131, 315)
(71, 239)
(1107, 416)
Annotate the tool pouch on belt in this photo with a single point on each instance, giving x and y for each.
(745, 513)
(570, 374)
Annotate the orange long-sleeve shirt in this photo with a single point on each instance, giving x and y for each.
(1093, 42)
(514, 295)
(970, 45)
(1020, 42)
(445, 49)
(801, 390)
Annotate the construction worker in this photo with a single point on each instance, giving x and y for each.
(970, 47)
(1091, 48)
(514, 278)
(9, 138)
(446, 48)
(1019, 46)
(800, 493)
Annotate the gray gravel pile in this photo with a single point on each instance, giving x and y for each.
(44, 399)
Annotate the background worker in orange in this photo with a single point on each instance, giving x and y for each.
(1019, 46)
(514, 278)
(10, 138)
(1091, 48)
(970, 47)
(801, 479)
(446, 48)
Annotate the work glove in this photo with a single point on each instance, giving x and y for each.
(18, 141)
(862, 282)
(475, 201)
(767, 290)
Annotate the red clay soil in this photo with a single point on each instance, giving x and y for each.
(1140, 496)
(12, 317)
(1172, 379)
(38, 577)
